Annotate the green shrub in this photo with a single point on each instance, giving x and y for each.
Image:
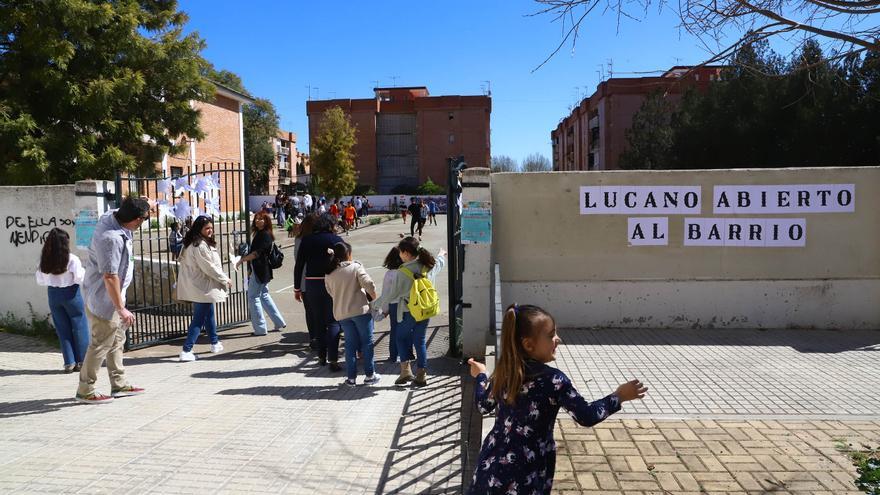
(375, 221)
(868, 467)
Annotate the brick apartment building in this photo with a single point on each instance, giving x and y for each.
(594, 135)
(221, 148)
(291, 167)
(404, 135)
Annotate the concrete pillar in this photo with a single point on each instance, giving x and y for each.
(477, 284)
(91, 199)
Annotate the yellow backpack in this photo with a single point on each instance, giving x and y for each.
(424, 302)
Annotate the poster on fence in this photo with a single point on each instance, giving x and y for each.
(476, 222)
(85, 221)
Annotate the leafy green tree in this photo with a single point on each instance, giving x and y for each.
(536, 162)
(260, 125)
(91, 88)
(650, 135)
(331, 154)
(768, 112)
(430, 187)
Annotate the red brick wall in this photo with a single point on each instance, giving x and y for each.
(470, 126)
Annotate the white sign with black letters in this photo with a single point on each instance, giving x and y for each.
(785, 198)
(648, 231)
(745, 232)
(640, 200)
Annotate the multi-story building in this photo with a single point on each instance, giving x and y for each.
(221, 121)
(284, 168)
(404, 135)
(593, 136)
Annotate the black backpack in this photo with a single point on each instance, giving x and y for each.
(275, 257)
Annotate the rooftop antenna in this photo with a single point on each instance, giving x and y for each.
(610, 68)
(601, 72)
(317, 93)
(310, 91)
(375, 83)
(394, 80)
(488, 90)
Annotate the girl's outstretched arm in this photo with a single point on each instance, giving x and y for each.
(583, 412)
(482, 389)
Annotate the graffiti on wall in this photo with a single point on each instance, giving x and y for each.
(30, 229)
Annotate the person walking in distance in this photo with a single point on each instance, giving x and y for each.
(312, 261)
(519, 453)
(415, 212)
(257, 259)
(109, 269)
(203, 282)
(62, 272)
(351, 289)
(423, 217)
(432, 211)
(417, 262)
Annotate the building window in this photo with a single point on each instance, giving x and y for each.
(176, 171)
(451, 138)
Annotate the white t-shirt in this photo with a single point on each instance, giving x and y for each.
(73, 276)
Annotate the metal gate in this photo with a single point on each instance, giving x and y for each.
(219, 190)
(456, 253)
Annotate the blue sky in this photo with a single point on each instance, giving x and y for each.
(342, 48)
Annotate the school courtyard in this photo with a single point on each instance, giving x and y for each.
(728, 412)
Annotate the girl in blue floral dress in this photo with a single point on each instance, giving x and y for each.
(519, 454)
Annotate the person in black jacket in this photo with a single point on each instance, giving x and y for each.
(415, 211)
(312, 256)
(260, 276)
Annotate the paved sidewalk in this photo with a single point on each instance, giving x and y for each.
(729, 411)
(260, 417)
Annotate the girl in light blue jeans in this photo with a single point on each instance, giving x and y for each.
(351, 289)
(62, 272)
(261, 274)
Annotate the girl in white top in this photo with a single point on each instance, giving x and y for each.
(62, 272)
(392, 263)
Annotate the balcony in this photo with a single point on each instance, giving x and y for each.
(283, 151)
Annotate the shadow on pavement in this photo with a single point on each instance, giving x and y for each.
(39, 406)
(307, 392)
(437, 425)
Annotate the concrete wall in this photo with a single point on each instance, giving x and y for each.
(582, 269)
(28, 214)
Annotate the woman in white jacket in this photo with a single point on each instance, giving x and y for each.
(203, 282)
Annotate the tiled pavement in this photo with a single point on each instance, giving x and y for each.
(729, 412)
(258, 418)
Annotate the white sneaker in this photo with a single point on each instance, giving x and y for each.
(215, 348)
(372, 379)
(187, 356)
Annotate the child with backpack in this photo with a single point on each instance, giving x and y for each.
(350, 286)
(519, 453)
(414, 288)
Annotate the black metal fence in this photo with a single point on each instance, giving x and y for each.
(219, 190)
(456, 253)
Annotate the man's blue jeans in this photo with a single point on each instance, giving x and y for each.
(358, 333)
